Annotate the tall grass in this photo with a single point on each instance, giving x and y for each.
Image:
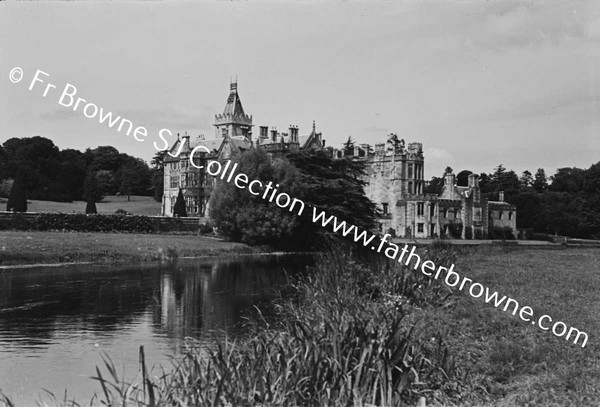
(346, 334)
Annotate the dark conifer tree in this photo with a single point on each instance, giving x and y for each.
(91, 192)
(179, 209)
(90, 207)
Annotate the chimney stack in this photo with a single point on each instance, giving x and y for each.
(274, 135)
(449, 182)
(473, 181)
(293, 133)
(264, 132)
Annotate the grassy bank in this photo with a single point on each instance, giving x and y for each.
(378, 334)
(509, 362)
(137, 205)
(18, 247)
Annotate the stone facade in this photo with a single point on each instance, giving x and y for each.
(233, 134)
(394, 178)
(396, 184)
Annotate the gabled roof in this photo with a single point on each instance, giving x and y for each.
(501, 205)
(305, 141)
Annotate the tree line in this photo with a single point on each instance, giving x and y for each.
(39, 169)
(566, 203)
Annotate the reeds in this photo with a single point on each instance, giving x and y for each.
(346, 336)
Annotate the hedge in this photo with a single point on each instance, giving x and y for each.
(78, 222)
(504, 233)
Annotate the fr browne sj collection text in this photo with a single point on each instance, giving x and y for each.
(70, 99)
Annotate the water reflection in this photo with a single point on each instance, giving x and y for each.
(62, 317)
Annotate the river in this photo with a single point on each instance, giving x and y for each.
(57, 322)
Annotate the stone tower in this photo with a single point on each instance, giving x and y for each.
(234, 121)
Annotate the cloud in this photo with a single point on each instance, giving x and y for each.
(507, 25)
(438, 154)
(171, 116)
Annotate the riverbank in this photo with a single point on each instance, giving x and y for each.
(23, 248)
(380, 334)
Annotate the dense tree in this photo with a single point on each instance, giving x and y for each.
(107, 182)
(91, 188)
(106, 158)
(36, 160)
(349, 146)
(434, 186)
(569, 180)
(484, 181)
(591, 180)
(51, 174)
(462, 178)
(17, 200)
(335, 185)
(318, 180)
(158, 174)
(526, 180)
(500, 180)
(69, 181)
(540, 182)
(179, 209)
(3, 161)
(241, 216)
(135, 177)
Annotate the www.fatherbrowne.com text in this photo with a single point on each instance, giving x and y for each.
(227, 172)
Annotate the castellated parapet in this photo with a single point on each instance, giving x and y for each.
(395, 183)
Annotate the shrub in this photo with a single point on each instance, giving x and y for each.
(541, 236)
(121, 212)
(469, 232)
(455, 230)
(507, 233)
(205, 228)
(504, 233)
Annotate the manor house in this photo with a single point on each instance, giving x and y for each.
(396, 184)
(394, 177)
(233, 134)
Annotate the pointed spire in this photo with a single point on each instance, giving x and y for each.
(234, 104)
(233, 112)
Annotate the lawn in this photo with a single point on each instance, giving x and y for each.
(138, 205)
(503, 361)
(18, 247)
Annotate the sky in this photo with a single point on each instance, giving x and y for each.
(479, 83)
